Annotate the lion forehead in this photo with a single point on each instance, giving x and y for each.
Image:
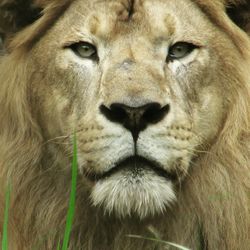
(103, 17)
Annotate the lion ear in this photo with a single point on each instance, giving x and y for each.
(239, 13)
(17, 14)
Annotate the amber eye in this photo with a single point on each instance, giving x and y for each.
(180, 50)
(85, 50)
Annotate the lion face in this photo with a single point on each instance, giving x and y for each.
(142, 87)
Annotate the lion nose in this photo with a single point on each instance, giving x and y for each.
(135, 119)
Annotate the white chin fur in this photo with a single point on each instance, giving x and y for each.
(126, 193)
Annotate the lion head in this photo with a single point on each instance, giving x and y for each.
(158, 95)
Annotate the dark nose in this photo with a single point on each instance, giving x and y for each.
(135, 119)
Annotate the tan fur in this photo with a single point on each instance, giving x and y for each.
(46, 94)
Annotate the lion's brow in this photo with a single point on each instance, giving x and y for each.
(131, 9)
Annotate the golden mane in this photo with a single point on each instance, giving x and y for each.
(40, 194)
(49, 11)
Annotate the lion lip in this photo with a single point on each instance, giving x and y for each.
(136, 163)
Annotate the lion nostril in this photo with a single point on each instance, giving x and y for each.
(115, 113)
(135, 119)
(155, 113)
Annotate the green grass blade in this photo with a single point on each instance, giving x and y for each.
(6, 218)
(160, 241)
(71, 210)
(58, 245)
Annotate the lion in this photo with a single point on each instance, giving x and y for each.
(157, 94)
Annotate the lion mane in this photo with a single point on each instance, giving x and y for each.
(214, 203)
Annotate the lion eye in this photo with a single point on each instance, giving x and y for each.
(85, 50)
(180, 50)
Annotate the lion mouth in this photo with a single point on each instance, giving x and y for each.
(135, 164)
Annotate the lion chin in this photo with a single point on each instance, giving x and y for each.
(136, 190)
(156, 95)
